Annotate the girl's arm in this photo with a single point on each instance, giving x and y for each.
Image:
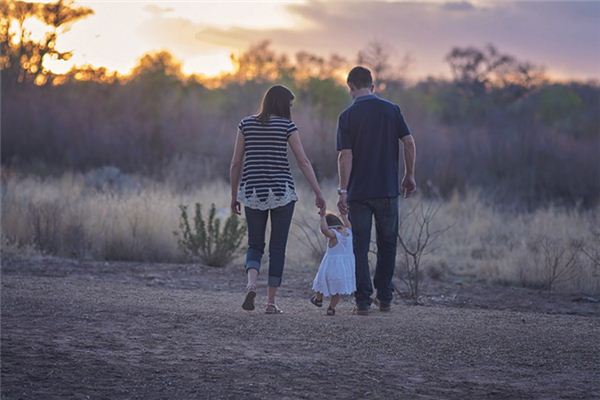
(235, 170)
(325, 228)
(306, 168)
(346, 221)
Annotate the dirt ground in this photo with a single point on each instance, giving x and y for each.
(92, 330)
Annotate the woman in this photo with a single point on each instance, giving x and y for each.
(267, 187)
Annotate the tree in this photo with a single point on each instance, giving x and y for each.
(260, 64)
(157, 68)
(476, 70)
(377, 57)
(23, 57)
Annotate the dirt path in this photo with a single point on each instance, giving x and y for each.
(131, 331)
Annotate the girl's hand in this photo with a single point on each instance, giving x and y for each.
(236, 208)
(322, 212)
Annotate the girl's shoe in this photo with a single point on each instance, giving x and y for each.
(330, 311)
(248, 304)
(316, 301)
(273, 309)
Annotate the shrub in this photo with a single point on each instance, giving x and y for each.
(207, 241)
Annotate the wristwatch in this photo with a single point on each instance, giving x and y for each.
(342, 191)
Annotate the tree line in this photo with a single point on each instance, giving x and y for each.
(498, 124)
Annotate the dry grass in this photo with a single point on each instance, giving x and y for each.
(71, 216)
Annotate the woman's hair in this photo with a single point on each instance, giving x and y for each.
(333, 220)
(276, 102)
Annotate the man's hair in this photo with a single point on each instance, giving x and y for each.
(360, 77)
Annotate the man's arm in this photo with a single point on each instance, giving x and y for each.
(344, 170)
(410, 152)
(345, 220)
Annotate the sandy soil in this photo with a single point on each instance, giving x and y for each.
(90, 330)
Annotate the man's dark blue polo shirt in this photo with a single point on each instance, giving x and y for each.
(371, 128)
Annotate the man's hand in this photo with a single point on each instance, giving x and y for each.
(236, 208)
(409, 186)
(343, 203)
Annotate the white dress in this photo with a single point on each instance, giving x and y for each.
(336, 272)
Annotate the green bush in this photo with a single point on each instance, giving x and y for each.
(206, 240)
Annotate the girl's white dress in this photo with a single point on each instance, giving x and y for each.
(336, 272)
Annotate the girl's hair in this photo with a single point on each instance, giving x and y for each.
(276, 102)
(333, 220)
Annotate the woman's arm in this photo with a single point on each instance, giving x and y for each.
(306, 168)
(235, 170)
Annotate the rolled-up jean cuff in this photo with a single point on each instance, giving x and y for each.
(274, 281)
(252, 264)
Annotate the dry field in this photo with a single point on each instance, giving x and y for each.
(105, 215)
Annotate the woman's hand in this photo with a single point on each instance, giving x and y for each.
(236, 208)
(320, 202)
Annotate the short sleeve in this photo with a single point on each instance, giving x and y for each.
(241, 126)
(291, 128)
(343, 134)
(402, 127)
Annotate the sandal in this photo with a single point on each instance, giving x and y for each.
(273, 309)
(316, 301)
(248, 304)
(330, 311)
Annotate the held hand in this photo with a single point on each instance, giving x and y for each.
(320, 202)
(343, 203)
(236, 208)
(409, 186)
(322, 212)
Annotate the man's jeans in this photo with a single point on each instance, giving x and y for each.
(385, 211)
(281, 219)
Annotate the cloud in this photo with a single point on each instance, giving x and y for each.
(458, 6)
(157, 11)
(561, 36)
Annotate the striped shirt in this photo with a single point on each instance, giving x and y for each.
(266, 178)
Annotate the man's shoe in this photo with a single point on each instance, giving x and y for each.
(385, 307)
(360, 311)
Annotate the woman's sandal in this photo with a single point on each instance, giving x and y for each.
(330, 311)
(316, 301)
(273, 309)
(248, 304)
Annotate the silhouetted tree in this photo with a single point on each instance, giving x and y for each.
(376, 56)
(261, 64)
(478, 69)
(23, 56)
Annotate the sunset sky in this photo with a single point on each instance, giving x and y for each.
(562, 36)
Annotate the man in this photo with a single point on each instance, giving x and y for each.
(369, 132)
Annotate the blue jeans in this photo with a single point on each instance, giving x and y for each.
(385, 211)
(281, 219)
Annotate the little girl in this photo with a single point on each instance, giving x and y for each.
(335, 276)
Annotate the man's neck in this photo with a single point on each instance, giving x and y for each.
(361, 92)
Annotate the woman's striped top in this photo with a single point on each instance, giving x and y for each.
(266, 178)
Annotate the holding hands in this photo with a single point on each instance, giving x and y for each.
(320, 203)
(343, 201)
